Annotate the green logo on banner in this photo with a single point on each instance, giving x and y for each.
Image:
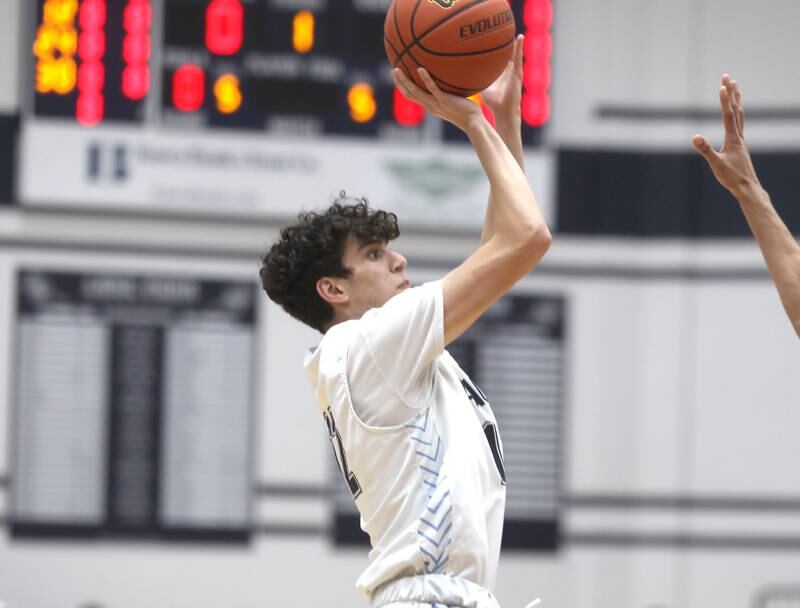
(436, 178)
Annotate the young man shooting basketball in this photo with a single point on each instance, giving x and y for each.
(415, 438)
(734, 169)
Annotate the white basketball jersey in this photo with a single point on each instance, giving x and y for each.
(416, 440)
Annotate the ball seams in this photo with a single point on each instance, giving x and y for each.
(417, 41)
(481, 52)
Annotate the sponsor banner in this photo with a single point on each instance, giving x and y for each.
(173, 171)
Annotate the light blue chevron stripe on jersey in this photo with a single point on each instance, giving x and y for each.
(423, 426)
(435, 523)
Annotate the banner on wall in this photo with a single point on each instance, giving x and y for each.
(132, 406)
(178, 172)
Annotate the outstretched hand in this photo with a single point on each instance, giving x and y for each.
(732, 165)
(504, 95)
(452, 108)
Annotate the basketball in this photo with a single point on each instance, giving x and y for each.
(464, 44)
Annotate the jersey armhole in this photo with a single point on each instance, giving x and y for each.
(413, 411)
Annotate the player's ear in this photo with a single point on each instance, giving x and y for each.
(330, 290)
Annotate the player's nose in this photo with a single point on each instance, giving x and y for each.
(399, 263)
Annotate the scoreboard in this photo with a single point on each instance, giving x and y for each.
(249, 109)
(304, 67)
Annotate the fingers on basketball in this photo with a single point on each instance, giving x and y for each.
(463, 50)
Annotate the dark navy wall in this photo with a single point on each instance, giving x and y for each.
(651, 194)
(9, 126)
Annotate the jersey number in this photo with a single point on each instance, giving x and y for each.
(474, 392)
(338, 451)
(478, 397)
(492, 437)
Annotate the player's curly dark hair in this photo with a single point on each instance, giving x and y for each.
(313, 248)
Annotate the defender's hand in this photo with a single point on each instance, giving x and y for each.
(452, 108)
(732, 165)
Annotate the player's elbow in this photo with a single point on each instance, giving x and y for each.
(536, 242)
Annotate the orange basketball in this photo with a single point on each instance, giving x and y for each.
(464, 44)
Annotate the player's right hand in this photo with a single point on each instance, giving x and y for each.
(454, 109)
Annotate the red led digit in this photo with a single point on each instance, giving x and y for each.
(90, 105)
(224, 26)
(536, 110)
(136, 48)
(136, 22)
(91, 45)
(537, 16)
(92, 14)
(537, 79)
(135, 81)
(488, 114)
(89, 109)
(137, 18)
(406, 112)
(188, 88)
(91, 77)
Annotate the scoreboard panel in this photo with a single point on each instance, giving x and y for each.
(263, 65)
(249, 109)
(303, 67)
(92, 59)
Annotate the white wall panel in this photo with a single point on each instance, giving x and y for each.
(9, 54)
(657, 55)
(746, 359)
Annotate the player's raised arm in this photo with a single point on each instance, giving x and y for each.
(520, 236)
(504, 98)
(733, 168)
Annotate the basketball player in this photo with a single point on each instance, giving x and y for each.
(734, 169)
(415, 438)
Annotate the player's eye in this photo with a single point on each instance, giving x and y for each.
(375, 254)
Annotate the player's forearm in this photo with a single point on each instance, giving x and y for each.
(779, 248)
(515, 214)
(508, 127)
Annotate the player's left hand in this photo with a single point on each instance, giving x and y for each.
(504, 95)
(732, 165)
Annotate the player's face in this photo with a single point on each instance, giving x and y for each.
(378, 273)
